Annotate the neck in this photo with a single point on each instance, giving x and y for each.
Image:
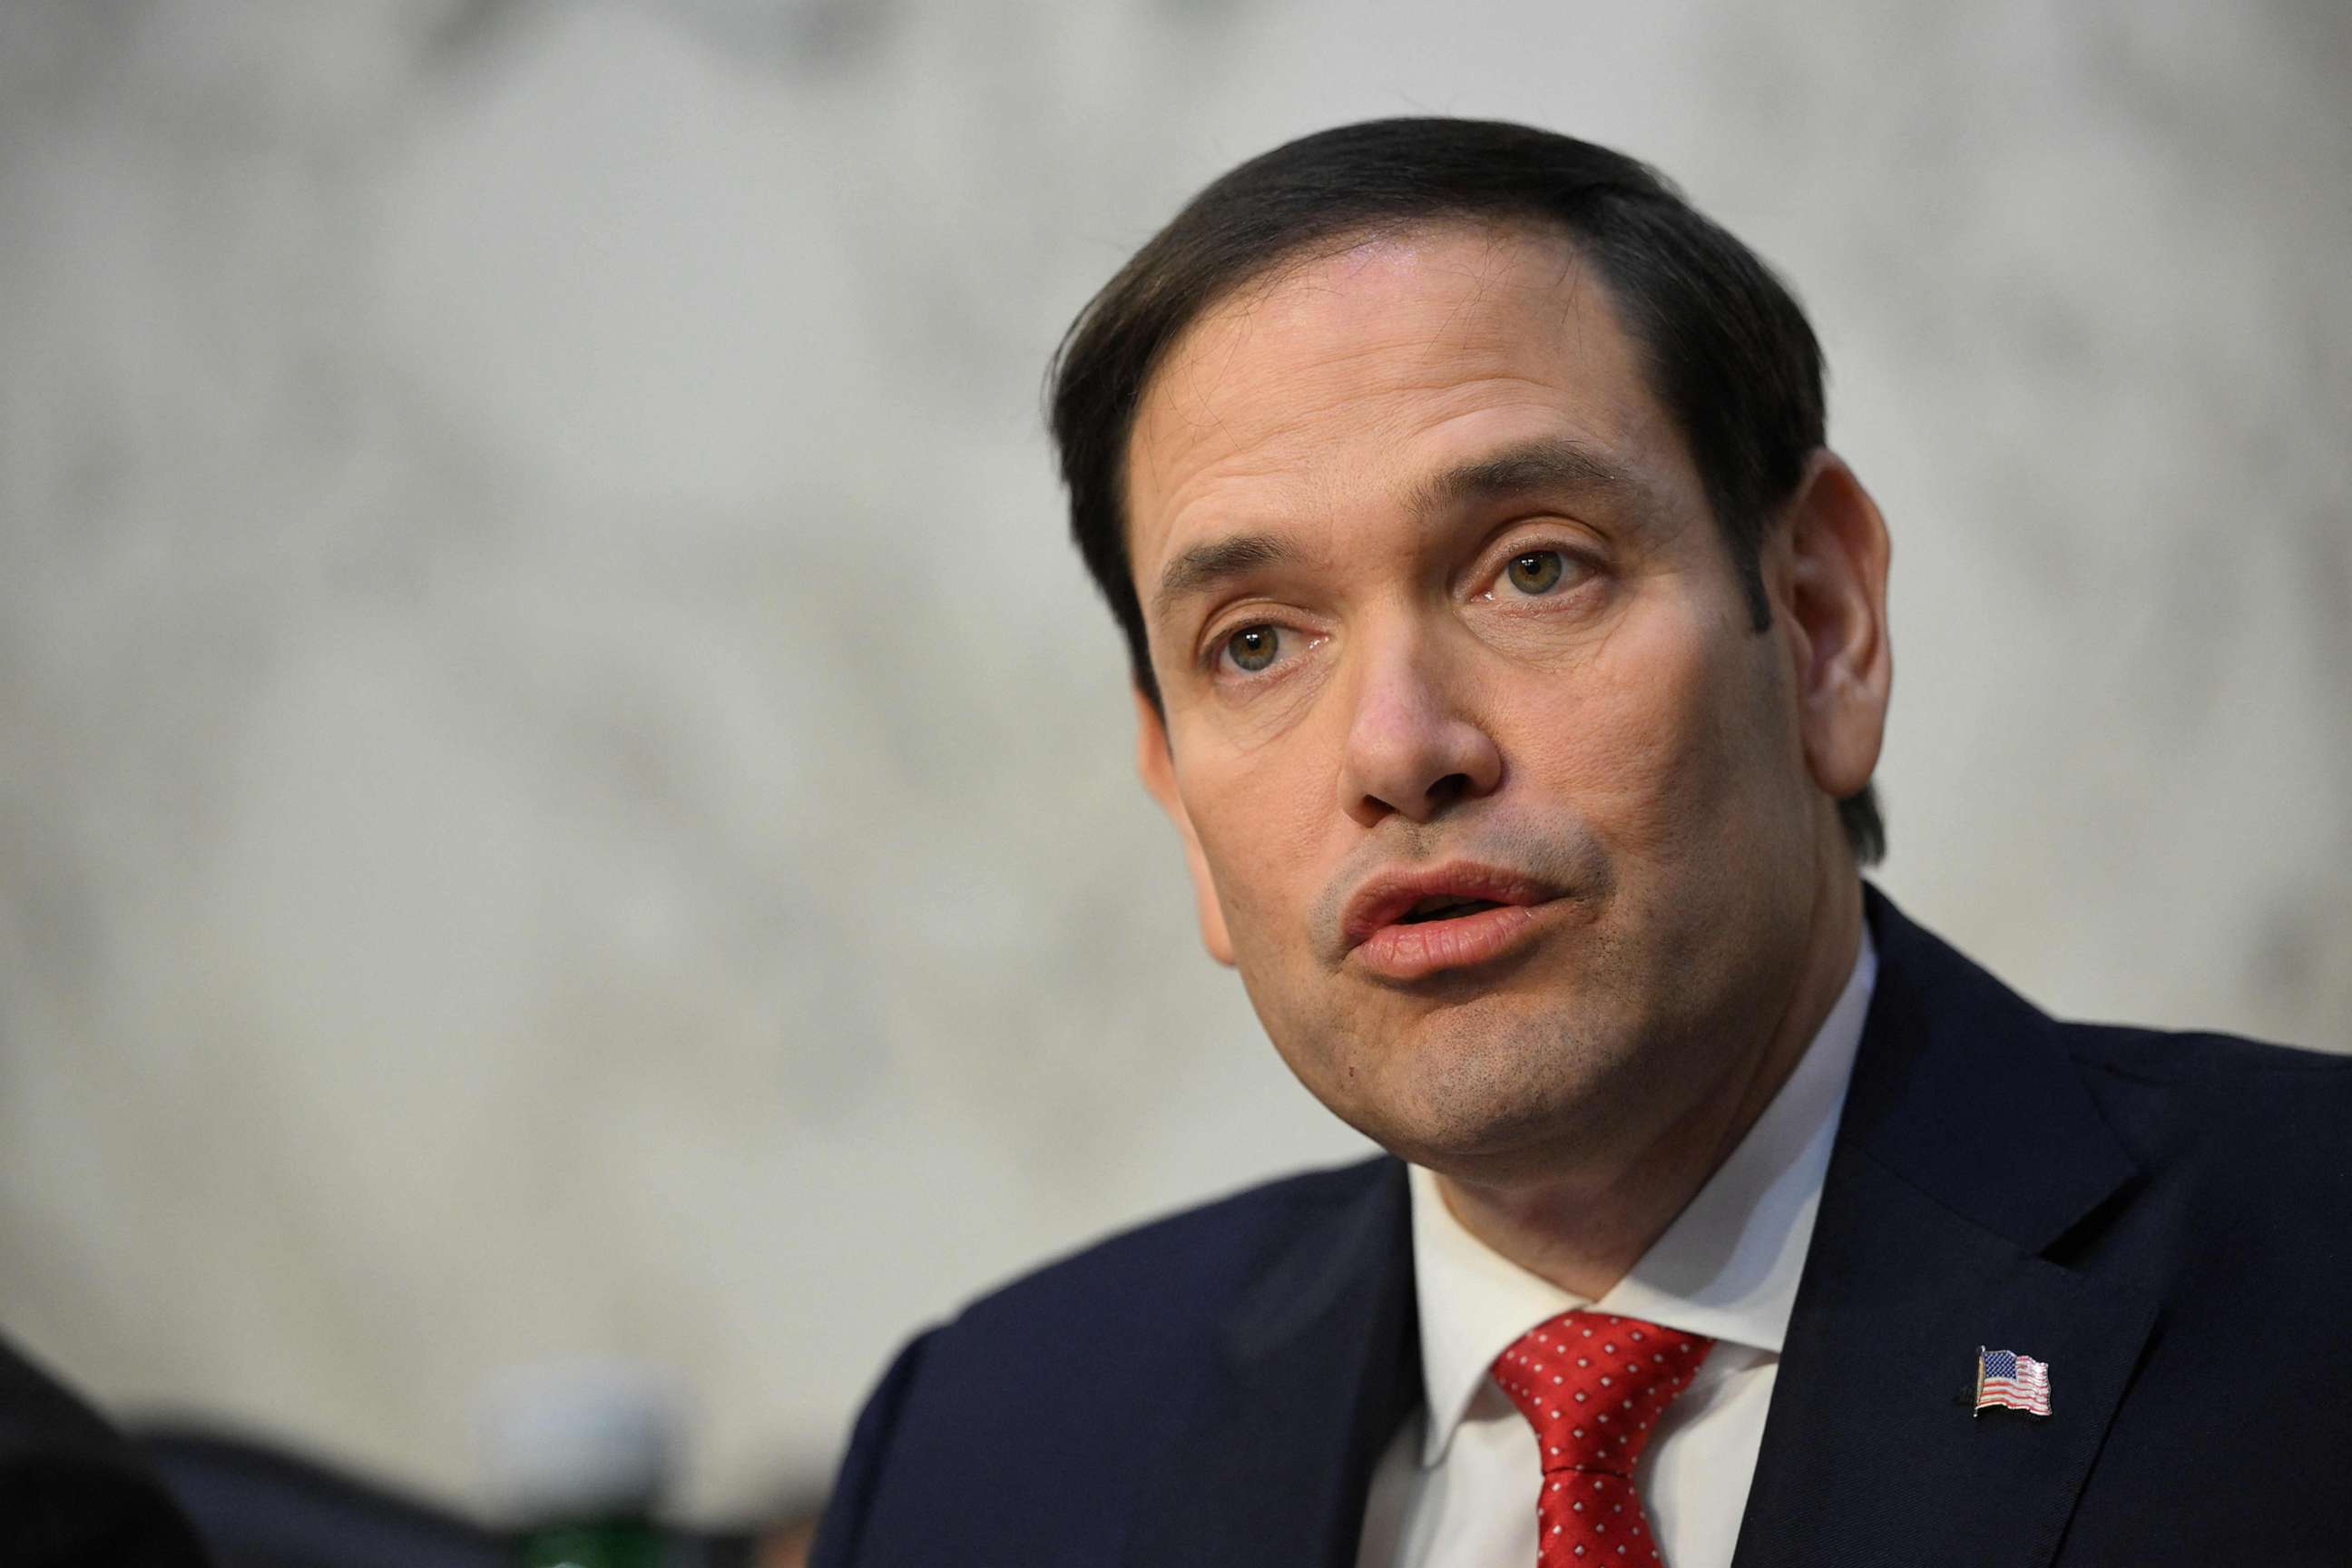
(1583, 1232)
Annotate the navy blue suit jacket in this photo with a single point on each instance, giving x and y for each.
(2161, 1219)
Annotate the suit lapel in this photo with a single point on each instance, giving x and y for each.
(1320, 1365)
(1967, 1147)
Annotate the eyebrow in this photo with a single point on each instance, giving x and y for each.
(1555, 464)
(1212, 561)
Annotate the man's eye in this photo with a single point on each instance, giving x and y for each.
(1252, 648)
(1537, 571)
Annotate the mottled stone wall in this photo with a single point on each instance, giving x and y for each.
(561, 792)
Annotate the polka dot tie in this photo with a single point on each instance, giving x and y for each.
(1594, 1386)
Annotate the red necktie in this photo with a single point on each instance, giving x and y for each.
(1594, 1386)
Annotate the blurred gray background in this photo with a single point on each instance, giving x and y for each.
(562, 793)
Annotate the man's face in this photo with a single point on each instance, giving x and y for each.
(1499, 797)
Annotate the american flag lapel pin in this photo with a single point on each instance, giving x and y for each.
(2008, 1381)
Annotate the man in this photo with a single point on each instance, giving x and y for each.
(1511, 653)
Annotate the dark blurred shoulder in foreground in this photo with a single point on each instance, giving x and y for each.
(73, 1494)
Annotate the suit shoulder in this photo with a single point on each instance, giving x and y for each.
(2204, 1060)
(2259, 1127)
(1065, 1382)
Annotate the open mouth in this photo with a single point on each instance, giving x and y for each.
(1444, 908)
(1412, 923)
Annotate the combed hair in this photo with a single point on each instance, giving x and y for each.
(1730, 354)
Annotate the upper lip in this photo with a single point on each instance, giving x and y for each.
(1386, 896)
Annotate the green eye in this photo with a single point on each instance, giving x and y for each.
(1537, 571)
(1252, 648)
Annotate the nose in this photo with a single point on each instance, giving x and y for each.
(1413, 750)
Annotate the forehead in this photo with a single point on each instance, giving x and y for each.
(1360, 369)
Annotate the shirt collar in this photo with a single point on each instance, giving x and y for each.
(1726, 1268)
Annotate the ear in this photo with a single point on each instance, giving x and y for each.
(1157, 764)
(1837, 615)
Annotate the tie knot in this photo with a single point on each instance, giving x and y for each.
(1594, 1386)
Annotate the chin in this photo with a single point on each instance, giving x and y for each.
(1474, 1089)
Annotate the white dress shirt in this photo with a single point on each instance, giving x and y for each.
(1457, 1487)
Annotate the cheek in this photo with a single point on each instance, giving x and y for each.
(1261, 818)
(1662, 741)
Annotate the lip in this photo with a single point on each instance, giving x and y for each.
(1378, 939)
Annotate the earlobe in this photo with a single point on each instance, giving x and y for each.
(1157, 764)
(1837, 609)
